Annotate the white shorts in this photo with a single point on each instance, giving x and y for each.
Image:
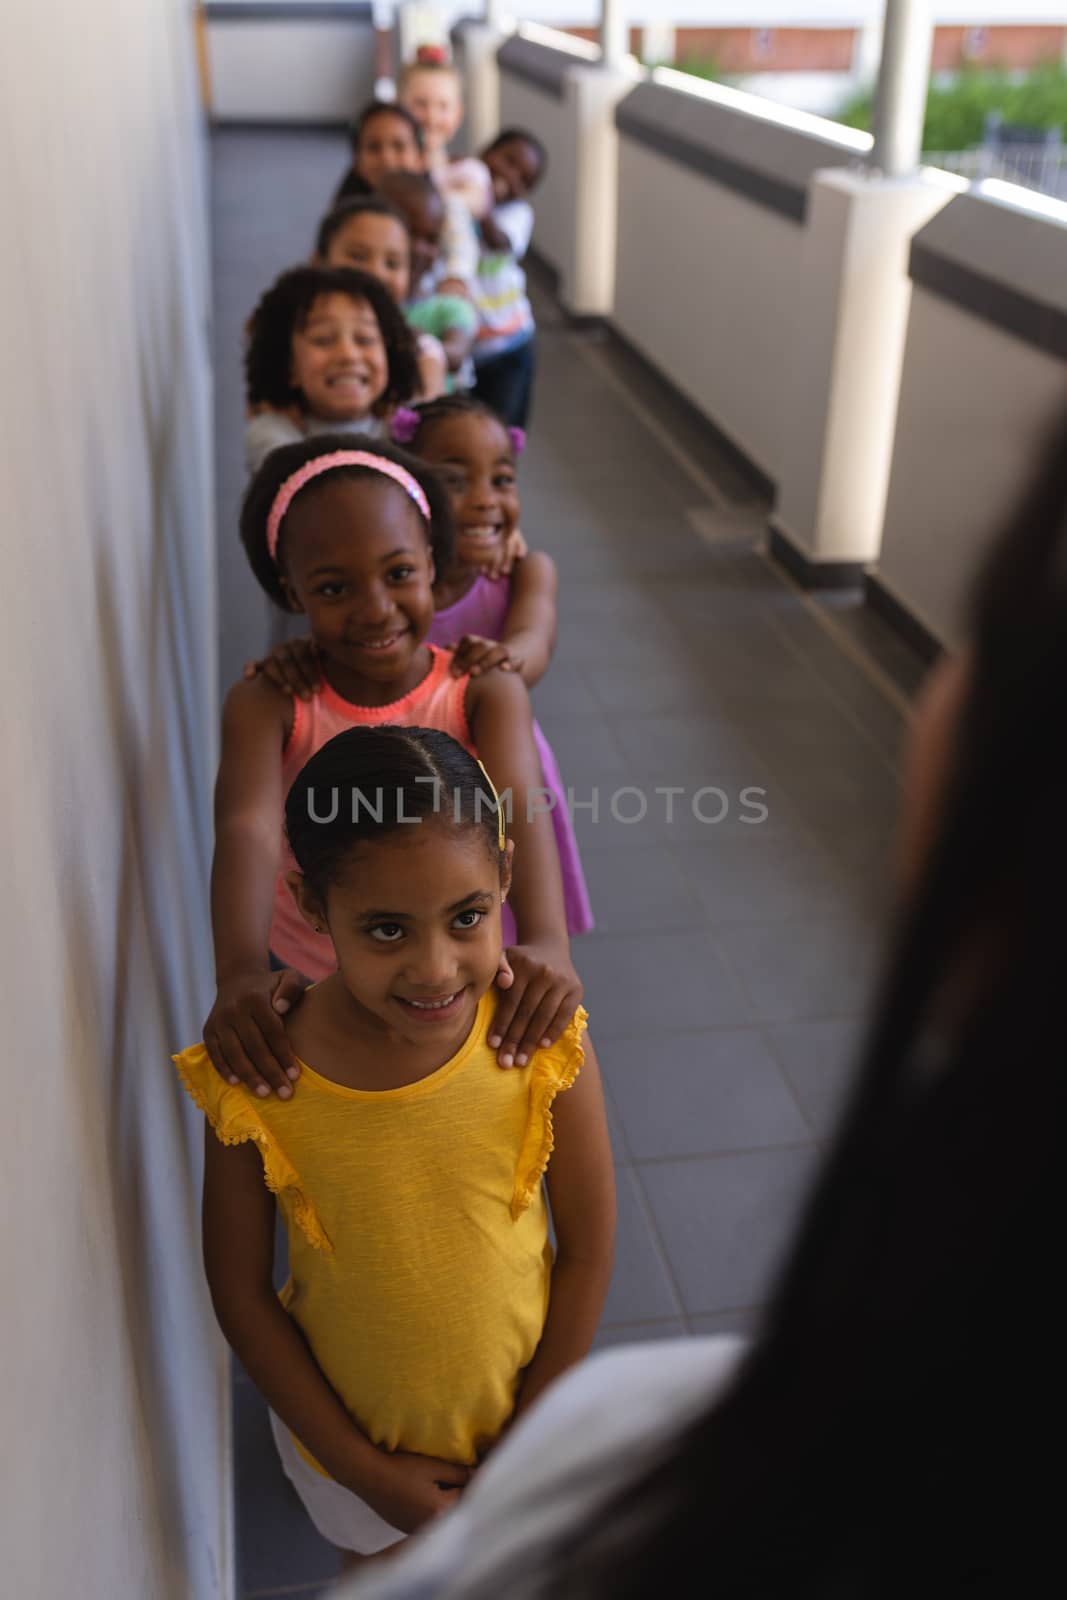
(340, 1516)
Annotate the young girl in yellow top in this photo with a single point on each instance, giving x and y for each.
(417, 1321)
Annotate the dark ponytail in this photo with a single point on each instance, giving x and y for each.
(368, 783)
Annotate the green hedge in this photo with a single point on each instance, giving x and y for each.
(700, 67)
(955, 116)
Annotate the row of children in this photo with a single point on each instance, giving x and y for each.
(444, 241)
(399, 1111)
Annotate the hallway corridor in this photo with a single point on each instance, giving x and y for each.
(732, 957)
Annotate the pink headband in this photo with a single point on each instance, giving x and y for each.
(339, 458)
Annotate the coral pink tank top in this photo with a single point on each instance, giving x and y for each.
(437, 702)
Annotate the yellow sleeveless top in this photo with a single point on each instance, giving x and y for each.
(418, 1232)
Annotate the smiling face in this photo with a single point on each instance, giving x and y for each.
(472, 456)
(386, 144)
(434, 100)
(355, 557)
(339, 360)
(415, 922)
(424, 212)
(515, 167)
(378, 245)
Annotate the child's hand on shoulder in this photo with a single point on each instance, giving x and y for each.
(292, 667)
(244, 1033)
(501, 562)
(474, 655)
(410, 1490)
(540, 992)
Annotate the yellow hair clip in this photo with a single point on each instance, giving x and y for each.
(501, 827)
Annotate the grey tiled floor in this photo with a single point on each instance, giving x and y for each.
(733, 958)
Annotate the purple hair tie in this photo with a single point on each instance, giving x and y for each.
(518, 439)
(405, 425)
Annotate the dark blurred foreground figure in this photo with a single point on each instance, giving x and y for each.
(887, 1434)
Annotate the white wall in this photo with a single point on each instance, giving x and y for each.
(703, 289)
(113, 1407)
(262, 70)
(975, 404)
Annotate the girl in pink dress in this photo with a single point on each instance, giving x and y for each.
(507, 622)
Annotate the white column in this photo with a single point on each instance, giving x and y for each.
(587, 274)
(481, 87)
(494, 13)
(614, 33)
(903, 78)
(659, 42)
(839, 400)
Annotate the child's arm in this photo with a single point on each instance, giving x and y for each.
(433, 366)
(457, 343)
(514, 549)
(459, 249)
(244, 1033)
(530, 629)
(581, 1191)
(529, 635)
(546, 989)
(238, 1232)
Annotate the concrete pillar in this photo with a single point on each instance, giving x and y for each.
(476, 60)
(587, 279)
(614, 33)
(867, 52)
(903, 79)
(839, 406)
(659, 43)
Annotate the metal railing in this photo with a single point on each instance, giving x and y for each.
(1041, 167)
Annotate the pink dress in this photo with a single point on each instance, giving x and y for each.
(483, 610)
(437, 702)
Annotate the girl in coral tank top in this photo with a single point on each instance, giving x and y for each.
(495, 600)
(348, 533)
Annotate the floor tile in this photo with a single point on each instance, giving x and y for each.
(586, 750)
(638, 1333)
(649, 895)
(697, 1093)
(800, 971)
(764, 877)
(676, 981)
(641, 1289)
(646, 688)
(620, 1150)
(711, 1323)
(563, 692)
(662, 747)
(726, 1220)
(277, 1545)
(821, 1060)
